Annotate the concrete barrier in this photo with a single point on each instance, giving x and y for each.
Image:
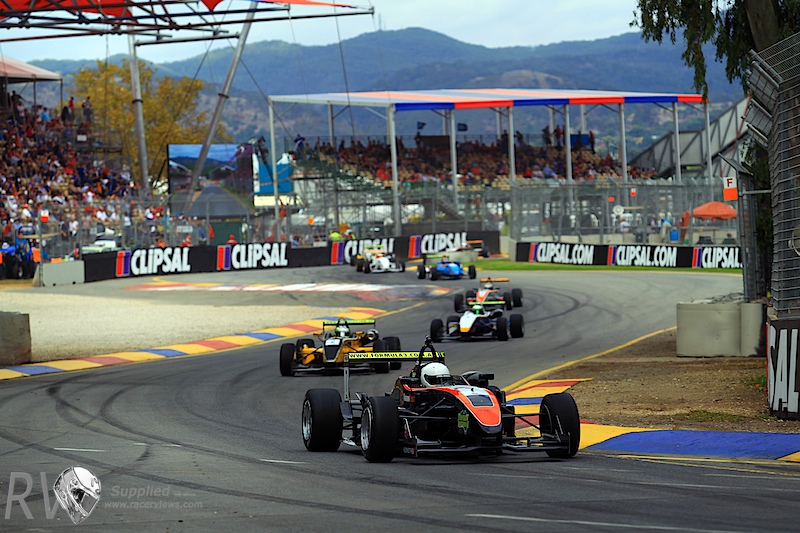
(64, 273)
(15, 339)
(707, 329)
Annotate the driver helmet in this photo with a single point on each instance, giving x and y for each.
(342, 330)
(477, 309)
(445, 259)
(488, 285)
(434, 374)
(78, 492)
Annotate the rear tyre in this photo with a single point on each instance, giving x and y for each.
(367, 268)
(507, 299)
(434, 274)
(421, 272)
(458, 302)
(380, 429)
(516, 296)
(359, 264)
(380, 345)
(471, 271)
(402, 266)
(558, 415)
(286, 359)
(393, 345)
(517, 326)
(502, 328)
(322, 420)
(437, 330)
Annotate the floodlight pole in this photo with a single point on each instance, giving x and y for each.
(223, 97)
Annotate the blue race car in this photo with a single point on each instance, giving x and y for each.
(444, 268)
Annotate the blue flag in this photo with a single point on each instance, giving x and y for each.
(462, 127)
(420, 125)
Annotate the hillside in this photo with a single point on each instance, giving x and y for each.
(416, 58)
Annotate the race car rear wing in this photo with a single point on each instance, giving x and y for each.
(349, 322)
(495, 280)
(426, 353)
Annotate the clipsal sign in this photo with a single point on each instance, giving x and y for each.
(434, 243)
(253, 255)
(782, 368)
(716, 257)
(352, 248)
(148, 261)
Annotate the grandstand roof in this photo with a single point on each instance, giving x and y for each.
(15, 71)
(483, 98)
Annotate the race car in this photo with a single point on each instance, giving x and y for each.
(444, 268)
(480, 321)
(432, 411)
(360, 260)
(338, 338)
(487, 293)
(381, 262)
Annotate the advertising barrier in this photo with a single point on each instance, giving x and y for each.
(782, 368)
(267, 255)
(630, 255)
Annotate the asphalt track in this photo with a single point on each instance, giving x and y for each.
(219, 433)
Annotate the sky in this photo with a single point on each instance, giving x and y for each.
(491, 23)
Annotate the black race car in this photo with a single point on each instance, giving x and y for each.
(431, 411)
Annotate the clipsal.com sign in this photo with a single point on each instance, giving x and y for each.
(563, 253)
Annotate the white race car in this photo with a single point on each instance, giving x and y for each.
(382, 261)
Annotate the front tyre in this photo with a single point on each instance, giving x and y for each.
(380, 429)
(420, 272)
(507, 301)
(393, 345)
(287, 359)
(471, 271)
(558, 415)
(322, 420)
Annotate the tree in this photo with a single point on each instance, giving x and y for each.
(734, 28)
(170, 108)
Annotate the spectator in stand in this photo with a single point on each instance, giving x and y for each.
(187, 242)
(559, 133)
(87, 110)
(71, 106)
(231, 240)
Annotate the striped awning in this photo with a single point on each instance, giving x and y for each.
(483, 98)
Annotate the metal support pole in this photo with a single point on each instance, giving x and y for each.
(398, 223)
(453, 157)
(331, 131)
(708, 141)
(623, 149)
(136, 89)
(567, 144)
(677, 145)
(223, 97)
(274, 173)
(512, 159)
